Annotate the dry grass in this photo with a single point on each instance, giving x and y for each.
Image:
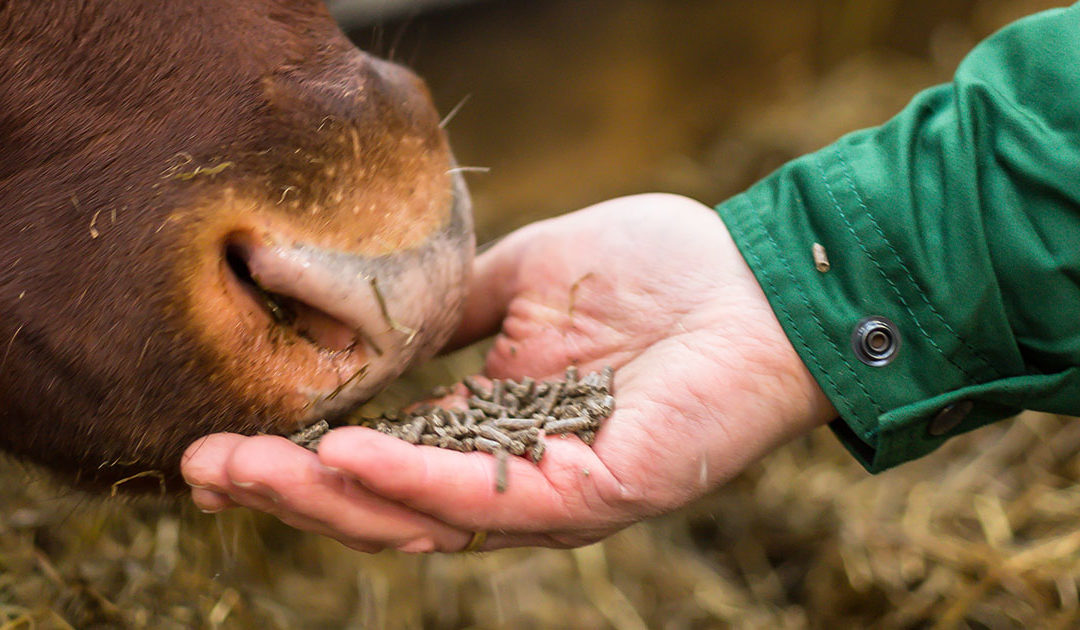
(982, 534)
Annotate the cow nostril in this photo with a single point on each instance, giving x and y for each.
(284, 310)
(277, 306)
(234, 258)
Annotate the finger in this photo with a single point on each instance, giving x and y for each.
(303, 493)
(491, 287)
(203, 463)
(205, 467)
(459, 488)
(211, 502)
(275, 476)
(259, 498)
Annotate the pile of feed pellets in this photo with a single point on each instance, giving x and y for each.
(508, 418)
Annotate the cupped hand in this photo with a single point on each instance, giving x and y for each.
(706, 382)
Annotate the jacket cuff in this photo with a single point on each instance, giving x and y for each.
(902, 377)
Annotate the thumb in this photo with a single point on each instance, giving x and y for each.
(492, 285)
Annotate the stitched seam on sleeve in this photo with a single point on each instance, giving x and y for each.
(817, 320)
(848, 174)
(877, 264)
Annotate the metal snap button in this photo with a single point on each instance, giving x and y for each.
(876, 341)
(949, 416)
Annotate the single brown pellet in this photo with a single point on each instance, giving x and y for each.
(524, 389)
(517, 424)
(455, 427)
(489, 408)
(608, 378)
(536, 453)
(490, 432)
(500, 471)
(821, 257)
(601, 408)
(476, 388)
(570, 409)
(551, 399)
(526, 435)
(486, 445)
(567, 425)
(511, 404)
(306, 435)
(571, 377)
(413, 432)
(452, 444)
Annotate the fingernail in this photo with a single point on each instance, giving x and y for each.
(212, 510)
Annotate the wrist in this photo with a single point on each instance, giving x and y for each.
(778, 399)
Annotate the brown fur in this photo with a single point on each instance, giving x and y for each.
(126, 127)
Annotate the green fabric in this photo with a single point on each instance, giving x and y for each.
(959, 220)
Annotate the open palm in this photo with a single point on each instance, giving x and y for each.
(652, 285)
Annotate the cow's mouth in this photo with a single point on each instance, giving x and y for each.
(287, 312)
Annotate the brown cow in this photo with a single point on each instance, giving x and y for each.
(216, 216)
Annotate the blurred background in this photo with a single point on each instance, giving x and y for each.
(564, 103)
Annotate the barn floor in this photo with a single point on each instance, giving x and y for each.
(571, 102)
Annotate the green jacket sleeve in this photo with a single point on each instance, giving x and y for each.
(955, 228)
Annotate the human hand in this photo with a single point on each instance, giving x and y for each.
(706, 382)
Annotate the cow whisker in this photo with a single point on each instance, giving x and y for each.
(469, 169)
(454, 112)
